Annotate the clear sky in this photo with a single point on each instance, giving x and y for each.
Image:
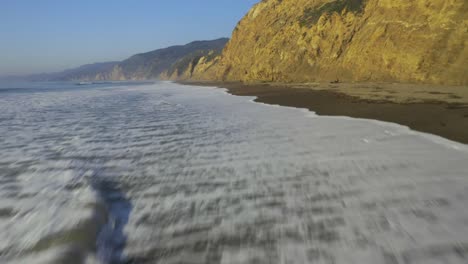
(51, 35)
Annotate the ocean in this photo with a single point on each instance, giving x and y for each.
(165, 173)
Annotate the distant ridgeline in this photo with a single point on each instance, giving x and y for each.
(173, 62)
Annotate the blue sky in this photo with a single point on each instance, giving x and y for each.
(50, 35)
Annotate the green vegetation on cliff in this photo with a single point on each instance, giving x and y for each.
(312, 15)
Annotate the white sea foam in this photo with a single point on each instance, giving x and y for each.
(167, 173)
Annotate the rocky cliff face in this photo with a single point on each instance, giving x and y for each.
(350, 40)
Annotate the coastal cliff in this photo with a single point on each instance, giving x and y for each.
(301, 41)
(419, 41)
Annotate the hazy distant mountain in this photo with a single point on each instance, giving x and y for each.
(65, 75)
(85, 70)
(151, 64)
(141, 66)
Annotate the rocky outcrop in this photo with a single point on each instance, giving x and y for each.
(421, 41)
(192, 65)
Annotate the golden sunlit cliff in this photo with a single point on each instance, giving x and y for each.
(421, 41)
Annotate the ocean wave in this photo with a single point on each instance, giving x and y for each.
(168, 173)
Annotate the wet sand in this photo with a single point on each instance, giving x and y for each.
(438, 110)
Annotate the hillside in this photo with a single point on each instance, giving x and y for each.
(151, 64)
(417, 41)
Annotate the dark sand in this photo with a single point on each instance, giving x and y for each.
(439, 117)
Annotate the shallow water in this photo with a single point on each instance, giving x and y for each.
(165, 173)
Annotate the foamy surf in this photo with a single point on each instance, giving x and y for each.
(168, 174)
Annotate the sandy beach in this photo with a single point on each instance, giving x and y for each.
(439, 110)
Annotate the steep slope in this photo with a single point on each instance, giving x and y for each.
(352, 40)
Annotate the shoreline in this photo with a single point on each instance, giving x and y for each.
(437, 110)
